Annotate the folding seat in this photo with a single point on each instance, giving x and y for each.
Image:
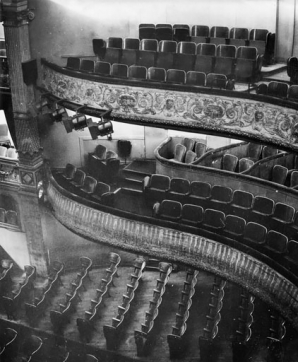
(99, 47)
(112, 55)
(179, 153)
(262, 89)
(278, 89)
(218, 35)
(214, 80)
(258, 39)
(254, 151)
(115, 43)
(200, 149)
(255, 233)
(294, 180)
(155, 187)
(179, 190)
(147, 31)
(248, 64)
(235, 225)
(100, 152)
(31, 349)
(164, 60)
(268, 151)
(262, 210)
(186, 47)
(87, 65)
(176, 76)
(196, 78)
(164, 32)
(293, 251)
(181, 32)
(225, 60)
(238, 37)
(190, 156)
(168, 209)
(221, 197)
(78, 178)
(184, 61)
(100, 190)
(129, 57)
(277, 241)
(188, 143)
(69, 171)
(205, 58)
(90, 358)
(88, 186)
(200, 193)
(73, 63)
(149, 44)
(157, 74)
(102, 68)
(279, 174)
(192, 214)
(146, 58)
(137, 72)
(283, 213)
(214, 219)
(119, 70)
(241, 203)
(11, 217)
(293, 93)
(131, 43)
(229, 162)
(199, 33)
(292, 69)
(167, 46)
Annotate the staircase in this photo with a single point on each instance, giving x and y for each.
(135, 172)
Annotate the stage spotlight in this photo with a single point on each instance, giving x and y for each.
(101, 129)
(77, 122)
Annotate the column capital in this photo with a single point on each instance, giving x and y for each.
(16, 13)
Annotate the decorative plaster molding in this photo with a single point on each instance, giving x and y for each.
(142, 238)
(207, 113)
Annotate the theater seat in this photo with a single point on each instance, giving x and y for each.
(268, 151)
(176, 76)
(241, 203)
(255, 233)
(157, 74)
(238, 36)
(218, 35)
(221, 197)
(115, 42)
(188, 143)
(262, 89)
(200, 149)
(196, 78)
(258, 39)
(102, 68)
(192, 214)
(164, 32)
(181, 32)
(229, 162)
(293, 251)
(112, 55)
(131, 43)
(293, 93)
(88, 186)
(254, 151)
(205, 58)
(187, 47)
(99, 47)
(294, 179)
(100, 190)
(283, 213)
(87, 65)
(146, 58)
(147, 31)
(278, 89)
(164, 60)
(167, 46)
(279, 174)
(199, 33)
(156, 187)
(119, 70)
(11, 217)
(129, 57)
(73, 63)
(69, 171)
(179, 153)
(12, 153)
(137, 72)
(235, 225)
(100, 152)
(292, 69)
(277, 241)
(214, 80)
(168, 209)
(190, 156)
(78, 178)
(200, 193)
(179, 189)
(214, 219)
(248, 64)
(184, 61)
(149, 44)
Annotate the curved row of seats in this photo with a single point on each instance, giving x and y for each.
(86, 325)
(205, 34)
(252, 232)
(9, 217)
(188, 150)
(8, 152)
(243, 62)
(279, 90)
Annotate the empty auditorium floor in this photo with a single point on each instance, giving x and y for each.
(166, 316)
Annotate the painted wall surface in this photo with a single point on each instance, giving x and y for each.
(64, 27)
(15, 245)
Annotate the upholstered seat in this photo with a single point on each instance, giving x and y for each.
(214, 80)
(176, 76)
(102, 68)
(195, 78)
(131, 43)
(147, 31)
(190, 156)
(188, 143)
(241, 203)
(199, 33)
(179, 153)
(69, 171)
(277, 241)
(179, 189)
(3, 151)
(221, 197)
(238, 36)
(181, 32)
(149, 44)
(192, 214)
(78, 178)
(73, 63)
(184, 61)
(167, 46)
(229, 162)
(12, 153)
(129, 57)
(100, 190)
(156, 187)
(235, 225)
(157, 74)
(164, 32)
(279, 174)
(119, 70)
(146, 58)
(200, 193)
(87, 65)
(245, 164)
(214, 219)
(278, 89)
(255, 233)
(200, 149)
(137, 72)
(164, 60)
(168, 209)
(89, 185)
(112, 55)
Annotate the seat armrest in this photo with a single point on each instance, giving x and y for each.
(156, 209)
(146, 182)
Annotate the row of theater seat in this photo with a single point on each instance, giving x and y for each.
(134, 72)
(241, 203)
(243, 63)
(279, 90)
(188, 151)
(8, 152)
(9, 217)
(229, 225)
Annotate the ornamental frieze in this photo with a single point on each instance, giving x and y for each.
(264, 121)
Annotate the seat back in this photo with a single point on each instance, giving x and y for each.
(89, 184)
(73, 63)
(79, 177)
(294, 179)
(293, 93)
(103, 68)
(278, 89)
(184, 61)
(111, 154)
(167, 46)
(192, 213)
(258, 34)
(229, 162)
(176, 76)
(188, 143)
(129, 57)
(160, 182)
(214, 219)
(164, 32)
(149, 44)
(239, 33)
(219, 32)
(268, 151)
(249, 53)
(147, 31)
(284, 212)
(87, 65)
(200, 189)
(179, 185)
(112, 55)
(100, 151)
(196, 78)
(146, 58)
(131, 43)
(242, 199)
(254, 151)
(99, 47)
(206, 49)
(263, 205)
(227, 51)
(190, 156)
(204, 64)
(224, 66)
(2, 215)
(200, 30)
(157, 74)
(255, 233)
(279, 174)
(200, 149)
(181, 32)
(234, 225)
(214, 80)
(119, 70)
(221, 194)
(179, 153)
(11, 217)
(277, 241)
(137, 72)
(114, 42)
(170, 209)
(164, 60)
(262, 89)
(69, 171)
(101, 188)
(186, 47)
(293, 250)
